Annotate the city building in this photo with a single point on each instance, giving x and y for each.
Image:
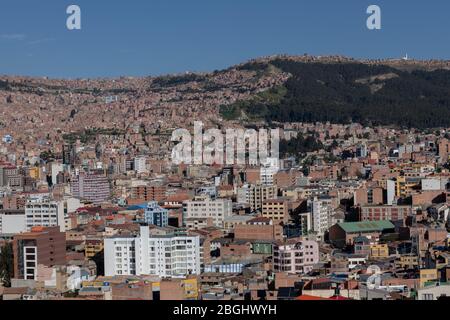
(44, 246)
(140, 164)
(90, 187)
(41, 210)
(295, 256)
(393, 213)
(269, 170)
(343, 234)
(321, 211)
(276, 210)
(260, 228)
(255, 194)
(204, 207)
(12, 221)
(156, 215)
(165, 256)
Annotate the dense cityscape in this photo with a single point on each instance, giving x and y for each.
(93, 207)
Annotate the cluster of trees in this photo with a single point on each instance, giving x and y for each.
(351, 92)
(169, 81)
(299, 146)
(6, 265)
(90, 135)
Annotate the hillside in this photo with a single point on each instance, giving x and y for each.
(351, 91)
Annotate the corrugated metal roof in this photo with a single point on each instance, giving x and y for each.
(366, 226)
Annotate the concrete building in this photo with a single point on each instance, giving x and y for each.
(90, 187)
(276, 210)
(434, 184)
(12, 221)
(269, 170)
(147, 193)
(295, 256)
(204, 207)
(55, 169)
(393, 213)
(41, 210)
(41, 246)
(434, 292)
(321, 211)
(165, 256)
(255, 194)
(259, 229)
(140, 165)
(156, 215)
(390, 192)
(343, 234)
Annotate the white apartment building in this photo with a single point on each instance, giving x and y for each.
(140, 164)
(204, 207)
(12, 221)
(42, 211)
(268, 170)
(321, 211)
(164, 256)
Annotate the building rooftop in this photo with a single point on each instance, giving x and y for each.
(366, 226)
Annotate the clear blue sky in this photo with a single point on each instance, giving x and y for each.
(152, 37)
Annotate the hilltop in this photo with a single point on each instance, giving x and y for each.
(343, 90)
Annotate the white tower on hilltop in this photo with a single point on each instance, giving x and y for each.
(405, 57)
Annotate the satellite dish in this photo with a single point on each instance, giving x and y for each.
(373, 269)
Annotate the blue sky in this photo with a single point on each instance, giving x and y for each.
(153, 37)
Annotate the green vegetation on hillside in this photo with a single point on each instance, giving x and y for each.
(299, 146)
(257, 107)
(353, 92)
(89, 135)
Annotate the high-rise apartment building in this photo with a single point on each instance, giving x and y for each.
(254, 195)
(140, 164)
(42, 211)
(90, 187)
(276, 210)
(321, 211)
(268, 171)
(164, 256)
(41, 246)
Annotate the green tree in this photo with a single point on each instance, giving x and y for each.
(99, 260)
(6, 264)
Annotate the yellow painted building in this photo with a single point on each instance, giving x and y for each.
(407, 262)
(379, 251)
(427, 275)
(92, 247)
(404, 186)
